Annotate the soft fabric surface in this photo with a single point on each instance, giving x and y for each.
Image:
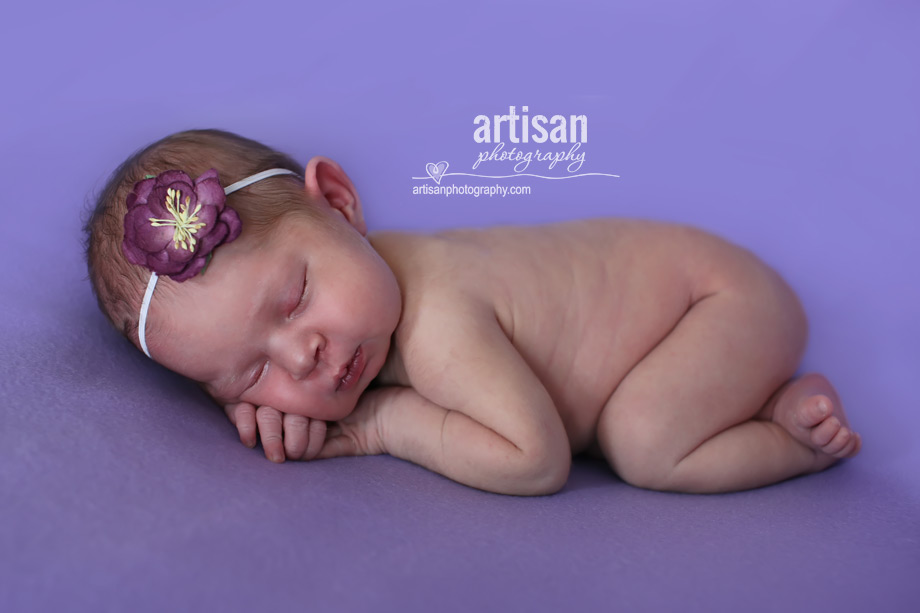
(788, 127)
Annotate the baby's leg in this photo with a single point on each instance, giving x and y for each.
(705, 412)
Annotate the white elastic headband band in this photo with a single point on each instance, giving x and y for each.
(152, 283)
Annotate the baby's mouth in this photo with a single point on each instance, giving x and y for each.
(351, 372)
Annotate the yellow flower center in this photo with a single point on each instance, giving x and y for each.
(182, 220)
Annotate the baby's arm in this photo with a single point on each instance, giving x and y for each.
(476, 412)
(501, 432)
(458, 446)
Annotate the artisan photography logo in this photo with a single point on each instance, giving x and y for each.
(515, 145)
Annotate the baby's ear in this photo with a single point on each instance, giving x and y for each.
(326, 182)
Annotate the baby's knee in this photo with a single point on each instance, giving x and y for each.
(639, 453)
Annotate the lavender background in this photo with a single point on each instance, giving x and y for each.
(788, 127)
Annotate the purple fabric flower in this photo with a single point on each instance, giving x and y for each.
(172, 224)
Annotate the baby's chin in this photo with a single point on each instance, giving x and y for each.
(356, 394)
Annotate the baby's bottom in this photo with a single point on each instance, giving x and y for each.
(712, 408)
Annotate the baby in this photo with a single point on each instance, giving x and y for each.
(490, 356)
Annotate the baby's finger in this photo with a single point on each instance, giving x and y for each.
(269, 421)
(341, 445)
(296, 432)
(243, 416)
(316, 439)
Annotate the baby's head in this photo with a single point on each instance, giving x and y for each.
(281, 313)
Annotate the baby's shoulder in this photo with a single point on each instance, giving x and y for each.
(435, 266)
(444, 281)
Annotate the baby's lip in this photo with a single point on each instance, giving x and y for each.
(354, 367)
(343, 369)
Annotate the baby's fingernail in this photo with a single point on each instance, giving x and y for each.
(278, 457)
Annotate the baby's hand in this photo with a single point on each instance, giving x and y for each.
(302, 437)
(361, 432)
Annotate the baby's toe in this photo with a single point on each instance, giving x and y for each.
(851, 448)
(813, 410)
(840, 441)
(825, 432)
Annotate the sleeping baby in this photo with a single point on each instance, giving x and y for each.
(490, 356)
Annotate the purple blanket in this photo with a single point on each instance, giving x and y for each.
(788, 127)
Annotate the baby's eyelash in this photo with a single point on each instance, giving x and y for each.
(259, 376)
(303, 297)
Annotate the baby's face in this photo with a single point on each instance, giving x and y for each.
(278, 322)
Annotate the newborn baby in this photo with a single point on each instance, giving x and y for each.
(490, 356)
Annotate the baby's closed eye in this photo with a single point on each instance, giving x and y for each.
(257, 376)
(300, 306)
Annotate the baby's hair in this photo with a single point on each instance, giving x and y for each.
(118, 284)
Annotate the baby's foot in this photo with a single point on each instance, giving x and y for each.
(810, 410)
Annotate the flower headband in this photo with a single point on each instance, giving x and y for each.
(173, 225)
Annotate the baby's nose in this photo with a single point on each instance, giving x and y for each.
(300, 355)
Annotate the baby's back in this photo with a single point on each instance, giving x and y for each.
(582, 301)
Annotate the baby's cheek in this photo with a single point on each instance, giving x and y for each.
(289, 396)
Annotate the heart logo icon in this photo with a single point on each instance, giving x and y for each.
(436, 171)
